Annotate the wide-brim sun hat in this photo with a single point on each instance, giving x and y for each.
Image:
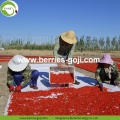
(18, 63)
(106, 59)
(69, 37)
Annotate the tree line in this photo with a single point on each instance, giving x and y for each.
(94, 44)
(84, 43)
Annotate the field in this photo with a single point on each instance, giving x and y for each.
(4, 93)
(114, 54)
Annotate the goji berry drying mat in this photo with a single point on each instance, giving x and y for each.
(91, 66)
(83, 99)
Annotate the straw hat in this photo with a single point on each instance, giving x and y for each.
(69, 37)
(18, 63)
(106, 59)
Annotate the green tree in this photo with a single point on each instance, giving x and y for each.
(94, 44)
(114, 42)
(88, 42)
(81, 43)
(107, 44)
(101, 43)
(119, 43)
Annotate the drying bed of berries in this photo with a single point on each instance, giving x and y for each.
(87, 100)
(116, 59)
(87, 66)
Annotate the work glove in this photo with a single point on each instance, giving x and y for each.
(11, 88)
(18, 88)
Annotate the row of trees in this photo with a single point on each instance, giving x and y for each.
(85, 43)
(99, 44)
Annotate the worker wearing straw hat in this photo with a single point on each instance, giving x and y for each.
(64, 48)
(107, 70)
(19, 74)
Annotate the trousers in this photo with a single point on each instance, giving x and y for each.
(18, 78)
(104, 76)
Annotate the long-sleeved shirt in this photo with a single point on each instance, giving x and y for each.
(26, 73)
(113, 69)
(60, 50)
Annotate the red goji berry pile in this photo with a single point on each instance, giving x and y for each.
(90, 66)
(116, 59)
(61, 78)
(87, 66)
(118, 65)
(65, 101)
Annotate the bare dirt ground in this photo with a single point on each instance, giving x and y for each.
(4, 93)
(114, 54)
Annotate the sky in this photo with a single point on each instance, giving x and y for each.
(95, 18)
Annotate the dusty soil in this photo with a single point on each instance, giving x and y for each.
(4, 93)
(50, 53)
